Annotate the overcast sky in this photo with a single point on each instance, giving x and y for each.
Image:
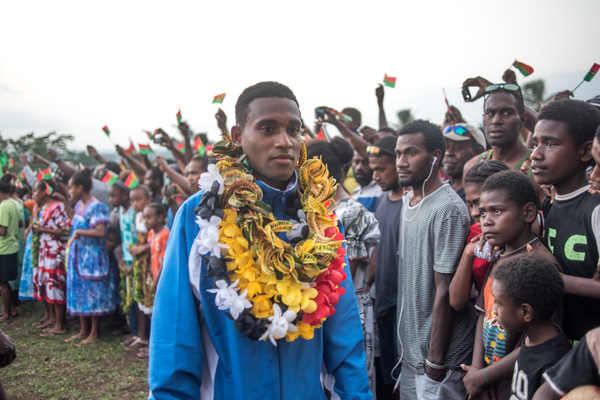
(75, 66)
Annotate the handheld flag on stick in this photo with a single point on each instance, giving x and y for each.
(446, 100)
(218, 99)
(144, 149)
(180, 146)
(49, 189)
(178, 115)
(345, 117)
(150, 135)
(199, 146)
(389, 81)
(132, 181)
(46, 174)
(106, 130)
(320, 135)
(39, 176)
(589, 76)
(525, 69)
(21, 176)
(110, 178)
(131, 148)
(11, 163)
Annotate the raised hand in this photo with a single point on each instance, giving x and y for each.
(479, 82)
(509, 76)
(221, 120)
(379, 93)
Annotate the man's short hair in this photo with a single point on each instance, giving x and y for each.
(433, 136)
(517, 186)
(531, 279)
(516, 94)
(259, 91)
(355, 114)
(582, 119)
(483, 170)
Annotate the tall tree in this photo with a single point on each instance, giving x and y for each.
(405, 116)
(533, 93)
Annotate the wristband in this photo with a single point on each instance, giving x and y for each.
(434, 366)
(484, 378)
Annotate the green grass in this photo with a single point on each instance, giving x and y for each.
(48, 369)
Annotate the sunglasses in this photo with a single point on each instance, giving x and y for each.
(510, 87)
(376, 151)
(458, 129)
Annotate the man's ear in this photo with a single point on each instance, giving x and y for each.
(526, 312)
(586, 152)
(530, 212)
(236, 136)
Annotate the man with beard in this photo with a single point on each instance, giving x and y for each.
(154, 179)
(463, 142)
(369, 191)
(433, 339)
(384, 262)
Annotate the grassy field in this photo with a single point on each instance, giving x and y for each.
(47, 368)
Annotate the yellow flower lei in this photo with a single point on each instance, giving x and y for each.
(269, 269)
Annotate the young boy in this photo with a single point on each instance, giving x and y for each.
(508, 206)
(562, 152)
(527, 291)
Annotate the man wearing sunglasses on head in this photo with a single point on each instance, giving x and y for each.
(463, 142)
(504, 113)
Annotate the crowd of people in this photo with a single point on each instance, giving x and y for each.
(449, 262)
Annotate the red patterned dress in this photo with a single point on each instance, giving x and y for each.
(50, 279)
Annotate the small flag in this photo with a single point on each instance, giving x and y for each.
(150, 135)
(592, 73)
(21, 176)
(11, 163)
(178, 115)
(389, 81)
(525, 69)
(106, 130)
(199, 145)
(345, 117)
(321, 134)
(46, 174)
(110, 178)
(144, 149)
(218, 99)
(132, 181)
(39, 177)
(180, 146)
(49, 189)
(131, 148)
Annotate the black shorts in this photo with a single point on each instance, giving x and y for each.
(8, 267)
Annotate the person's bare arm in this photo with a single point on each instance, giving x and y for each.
(585, 287)
(178, 156)
(479, 82)
(184, 128)
(380, 93)
(174, 175)
(3, 230)
(222, 121)
(67, 170)
(93, 153)
(136, 166)
(442, 319)
(460, 287)
(358, 143)
(545, 392)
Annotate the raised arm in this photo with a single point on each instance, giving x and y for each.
(357, 142)
(136, 166)
(379, 93)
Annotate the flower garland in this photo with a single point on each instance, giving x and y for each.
(270, 288)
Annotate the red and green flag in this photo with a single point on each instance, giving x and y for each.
(46, 174)
(321, 134)
(49, 189)
(106, 130)
(345, 117)
(525, 69)
(199, 146)
(389, 81)
(144, 149)
(21, 176)
(178, 115)
(11, 163)
(218, 99)
(110, 178)
(132, 181)
(150, 135)
(592, 73)
(39, 176)
(131, 148)
(180, 146)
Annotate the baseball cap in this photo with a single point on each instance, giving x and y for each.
(385, 145)
(463, 132)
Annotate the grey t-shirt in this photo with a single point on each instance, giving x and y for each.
(432, 237)
(387, 213)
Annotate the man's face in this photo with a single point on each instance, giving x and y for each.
(456, 155)
(153, 184)
(271, 139)
(384, 172)
(192, 172)
(362, 173)
(555, 159)
(501, 120)
(413, 162)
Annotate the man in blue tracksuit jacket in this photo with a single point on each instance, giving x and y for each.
(195, 351)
